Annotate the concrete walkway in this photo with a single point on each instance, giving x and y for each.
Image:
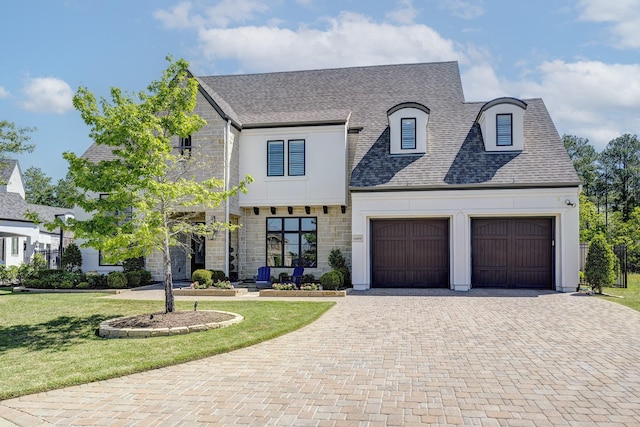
(385, 358)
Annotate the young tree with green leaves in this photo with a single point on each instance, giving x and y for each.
(152, 190)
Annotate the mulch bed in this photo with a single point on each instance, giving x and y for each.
(171, 320)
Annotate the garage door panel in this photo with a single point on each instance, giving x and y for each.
(512, 252)
(411, 253)
(391, 253)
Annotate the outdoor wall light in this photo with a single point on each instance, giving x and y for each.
(569, 203)
(256, 211)
(273, 210)
(290, 210)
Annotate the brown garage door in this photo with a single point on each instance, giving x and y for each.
(410, 253)
(512, 252)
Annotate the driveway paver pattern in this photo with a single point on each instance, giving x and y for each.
(391, 357)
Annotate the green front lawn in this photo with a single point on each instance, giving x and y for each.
(48, 341)
(631, 295)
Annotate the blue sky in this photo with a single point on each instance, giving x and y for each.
(581, 56)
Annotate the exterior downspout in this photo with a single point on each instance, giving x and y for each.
(227, 174)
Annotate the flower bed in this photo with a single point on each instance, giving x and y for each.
(211, 292)
(299, 293)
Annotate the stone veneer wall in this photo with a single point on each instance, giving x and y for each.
(334, 231)
(208, 144)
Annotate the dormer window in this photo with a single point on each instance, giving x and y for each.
(408, 128)
(408, 134)
(502, 124)
(504, 129)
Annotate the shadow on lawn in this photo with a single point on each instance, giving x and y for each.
(54, 335)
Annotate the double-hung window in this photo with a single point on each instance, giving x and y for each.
(185, 146)
(275, 158)
(291, 242)
(408, 133)
(14, 246)
(504, 131)
(294, 156)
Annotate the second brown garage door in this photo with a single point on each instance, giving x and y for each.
(410, 253)
(512, 252)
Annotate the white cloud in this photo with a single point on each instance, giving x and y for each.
(176, 18)
(405, 13)
(350, 39)
(590, 99)
(465, 9)
(221, 14)
(47, 95)
(623, 15)
(3, 92)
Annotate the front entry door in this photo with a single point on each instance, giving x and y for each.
(198, 245)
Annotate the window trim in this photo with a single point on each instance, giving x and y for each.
(269, 159)
(101, 263)
(403, 133)
(304, 157)
(498, 134)
(282, 232)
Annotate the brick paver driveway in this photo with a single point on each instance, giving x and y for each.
(392, 358)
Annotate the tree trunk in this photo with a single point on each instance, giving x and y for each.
(169, 305)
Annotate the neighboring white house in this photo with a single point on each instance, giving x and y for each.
(20, 238)
(390, 164)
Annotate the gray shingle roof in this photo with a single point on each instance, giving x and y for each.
(13, 207)
(455, 154)
(6, 169)
(363, 95)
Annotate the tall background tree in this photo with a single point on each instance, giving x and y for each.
(13, 140)
(39, 189)
(151, 188)
(621, 162)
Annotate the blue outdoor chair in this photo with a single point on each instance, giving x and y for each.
(263, 279)
(296, 277)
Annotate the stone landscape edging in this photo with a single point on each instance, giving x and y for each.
(107, 331)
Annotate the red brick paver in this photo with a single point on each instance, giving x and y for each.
(396, 357)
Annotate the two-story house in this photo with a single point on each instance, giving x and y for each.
(389, 164)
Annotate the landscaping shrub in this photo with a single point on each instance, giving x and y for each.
(336, 259)
(330, 280)
(96, 281)
(346, 277)
(71, 258)
(308, 278)
(283, 286)
(202, 276)
(116, 280)
(309, 287)
(133, 264)
(600, 263)
(218, 275)
(341, 274)
(83, 285)
(133, 278)
(145, 277)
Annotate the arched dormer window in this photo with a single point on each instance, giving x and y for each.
(502, 124)
(408, 125)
